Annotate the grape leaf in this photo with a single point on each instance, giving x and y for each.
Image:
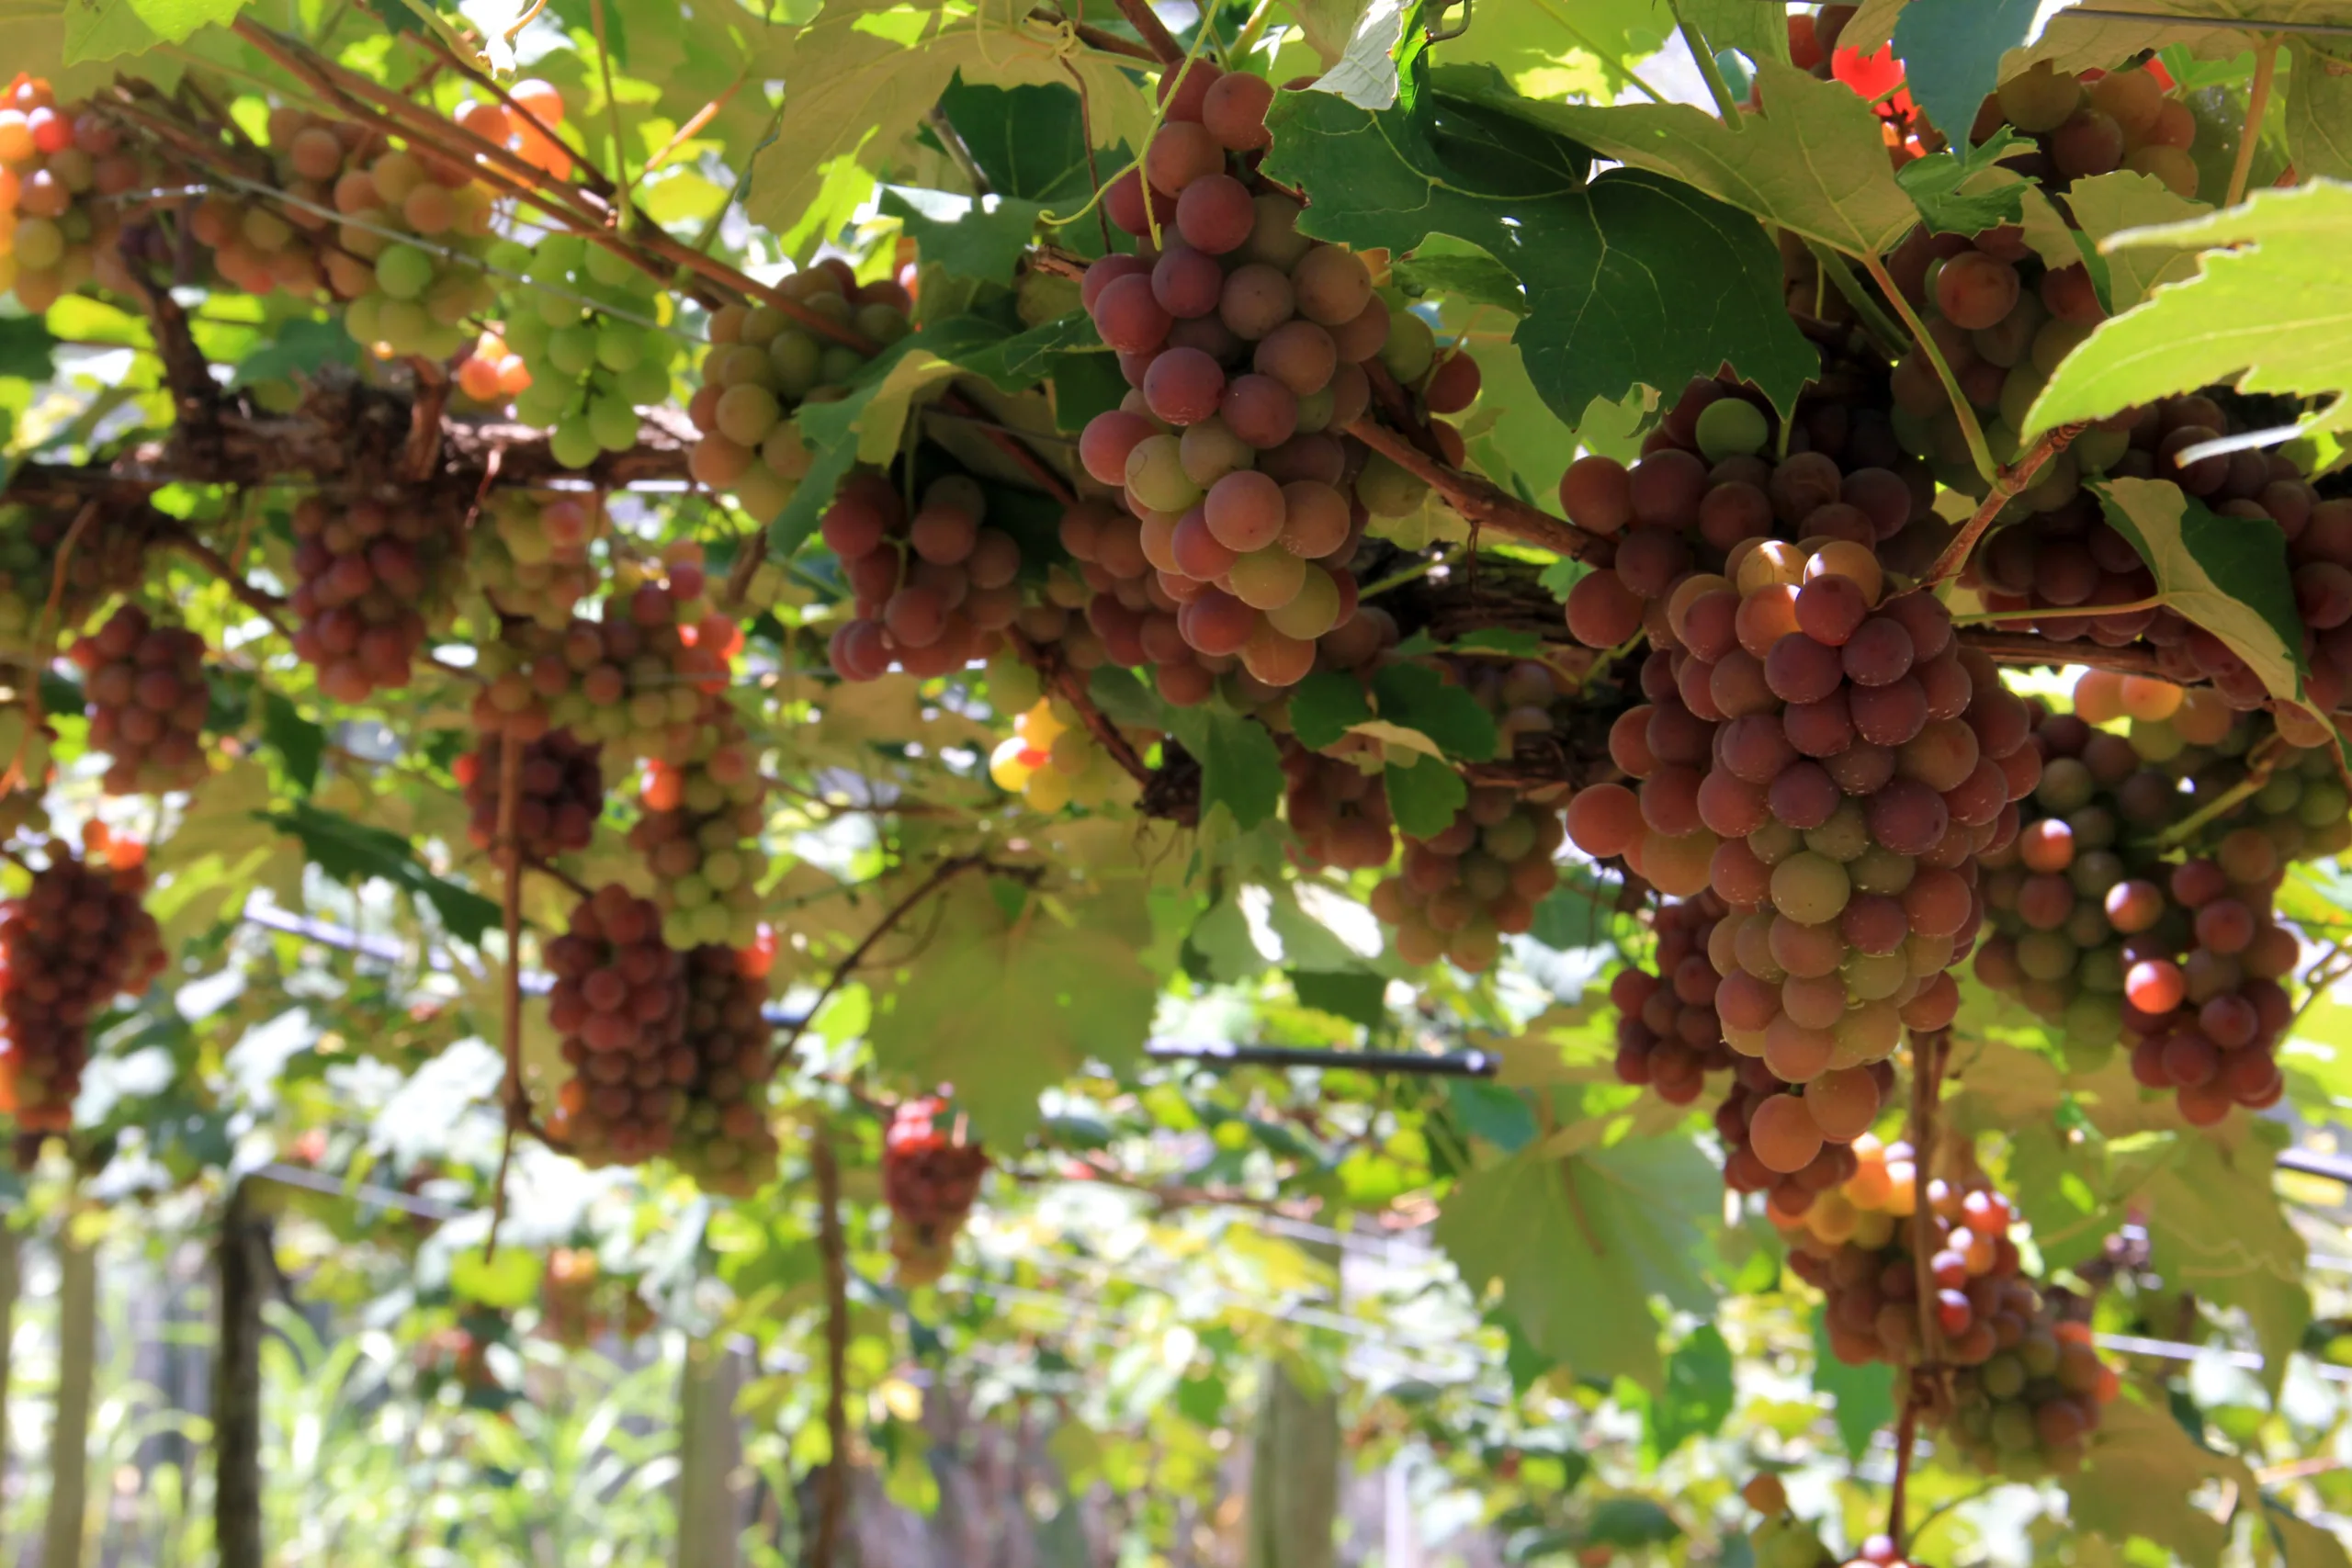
(1002, 1006)
(982, 237)
(1325, 705)
(1581, 1244)
(1812, 162)
(303, 346)
(2228, 578)
(1756, 32)
(2109, 204)
(2319, 114)
(1963, 194)
(2139, 1477)
(1357, 996)
(865, 427)
(1424, 795)
(1416, 697)
(349, 852)
(509, 1280)
(1239, 767)
(1029, 141)
(1697, 1395)
(25, 345)
(1952, 51)
(1472, 277)
(1631, 278)
(296, 738)
(106, 28)
(2269, 315)
(1861, 1399)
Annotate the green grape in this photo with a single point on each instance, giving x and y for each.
(619, 345)
(573, 442)
(645, 383)
(572, 350)
(613, 423)
(403, 272)
(799, 364)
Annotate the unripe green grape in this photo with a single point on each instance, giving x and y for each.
(644, 383)
(884, 323)
(608, 267)
(442, 340)
(613, 423)
(1731, 427)
(572, 350)
(403, 323)
(528, 335)
(1386, 490)
(746, 414)
(512, 257)
(798, 362)
(545, 401)
(619, 345)
(363, 318)
(1315, 411)
(572, 441)
(1412, 347)
(1156, 475)
(764, 495)
(558, 310)
(403, 272)
(840, 362)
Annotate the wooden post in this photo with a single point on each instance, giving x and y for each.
(710, 1454)
(65, 1532)
(241, 1270)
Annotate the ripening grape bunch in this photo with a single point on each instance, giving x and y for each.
(2033, 1407)
(1669, 1034)
(930, 1176)
(1809, 1128)
(530, 553)
(2094, 123)
(649, 673)
(1245, 344)
(525, 123)
(1051, 760)
(1336, 810)
(366, 574)
(1457, 895)
(1704, 486)
(76, 940)
(148, 701)
(262, 244)
(931, 591)
(763, 363)
(620, 1004)
(106, 559)
(589, 327)
(699, 836)
(57, 163)
(492, 373)
(418, 225)
(579, 1303)
(560, 791)
(723, 1139)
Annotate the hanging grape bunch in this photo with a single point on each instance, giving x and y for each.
(492, 374)
(76, 940)
(1245, 342)
(525, 123)
(1669, 1034)
(261, 243)
(1051, 760)
(763, 363)
(559, 793)
(366, 575)
(931, 591)
(420, 225)
(1457, 895)
(58, 164)
(723, 1138)
(620, 1004)
(530, 553)
(148, 702)
(1337, 810)
(649, 673)
(589, 328)
(2095, 124)
(699, 836)
(107, 557)
(930, 1178)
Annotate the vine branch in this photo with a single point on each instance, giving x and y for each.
(1484, 504)
(516, 1104)
(941, 874)
(2007, 485)
(1153, 31)
(832, 1498)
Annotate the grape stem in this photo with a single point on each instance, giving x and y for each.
(515, 1103)
(1484, 504)
(1991, 617)
(832, 1246)
(1883, 330)
(1978, 453)
(1093, 37)
(2029, 648)
(1725, 104)
(1066, 683)
(1928, 1050)
(2007, 483)
(2260, 763)
(1906, 1437)
(2258, 104)
(269, 607)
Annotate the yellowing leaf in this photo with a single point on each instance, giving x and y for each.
(2141, 1479)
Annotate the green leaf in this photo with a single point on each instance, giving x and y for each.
(25, 343)
(504, 1282)
(349, 852)
(2109, 204)
(1754, 30)
(1861, 1399)
(1241, 769)
(1812, 162)
(1575, 915)
(1002, 1007)
(1359, 997)
(104, 29)
(1489, 1110)
(2319, 114)
(303, 346)
(1582, 1245)
(1697, 1395)
(1029, 141)
(1952, 51)
(1325, 705)
(2228, 578)
(865, 427)
(1963, 194)
(2140, 1478)
(295, 739)
(1424, 796)
(2269, 315)
(1631, 278)
(982, 237)
(1017, 361)
(1375, 69)
(1416, 697)
(1125, 700)
(1473, 278)
(398, 17)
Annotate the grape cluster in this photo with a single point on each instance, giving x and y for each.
(723, 1137)
(699, 836)
(525, 125)
(620, 1004)
(261, 245)
(408, 257)
(1809, 1132)
(106, 559)
(55, 161)
(930, 1178)
(365, 576)
(2205, 1012)
(1457, 895)
(1338, 811)
(532, 560)
(1051, 760)
(493, 372)
(1669, 1035)
(649, 674)
(763, 364)
(2091, 125)
(1245, 343)
(1702, 487)
(559, 794)
(148, 701)
(1527, 697)
(76, 939)
(931, 591)
(2035, 1406)
(573, 1291)
(588, 327)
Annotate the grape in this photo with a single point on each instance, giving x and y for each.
(1216, 214)
(365, 578)
(76, 939)
(1183, 385)
(1299, 355)
(148, 703)
(1597, 494)
(1246, 511)
(1974, 290)
(1129, 317)
(1234, 110)
(1332, 284)
(929, 1182)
